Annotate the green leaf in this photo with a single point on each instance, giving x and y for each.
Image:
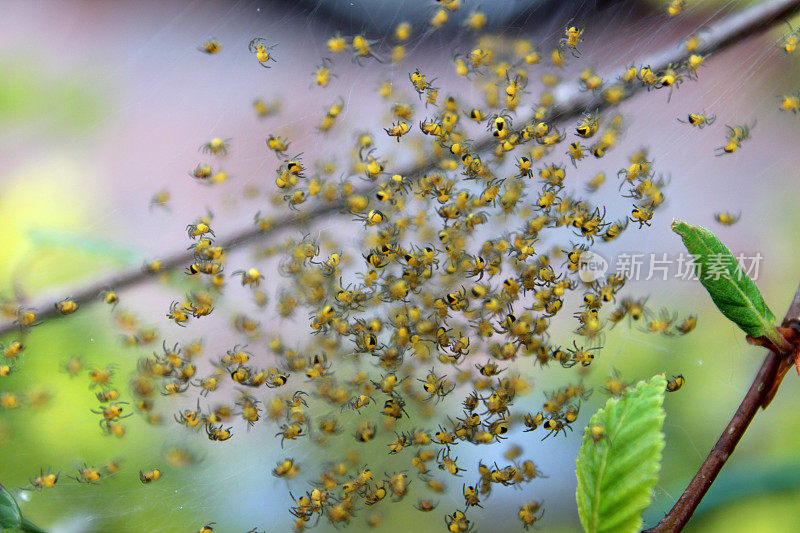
(733, 292)
(10, 515)
(618, 464)
(28, 527)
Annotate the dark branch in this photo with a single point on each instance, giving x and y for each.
(760, 393)
(570, 102)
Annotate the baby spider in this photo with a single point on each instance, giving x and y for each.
(699, 120)
(290, 432)
(499, 124)
(727, 218)
(362, 49)
(323, 74)
(588, 125)
(790, 40)
(641, 214)
(670, 78)
(87, 474)
(419, 81)
(448, 464)
(397, 130)
(357, 402)
(736, 135)
(675, 383)
(210, 47)
(572, 36)
(44, 480)
(111, 413)
(259, 47)
(661, 322)
(277, 145)
(198, 230)
(178, 313)
(790, 102)
(216, 146)
(675, 7)
(297, 399)
(250, 277)
(582, 355)
(217, 433)
(554, 426)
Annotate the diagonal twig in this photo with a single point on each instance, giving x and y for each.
(569, 103)
(759, 395)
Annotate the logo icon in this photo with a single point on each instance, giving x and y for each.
(591, 267)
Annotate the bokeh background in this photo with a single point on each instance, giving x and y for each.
(104, 104)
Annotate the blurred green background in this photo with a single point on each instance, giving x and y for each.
(100, 106)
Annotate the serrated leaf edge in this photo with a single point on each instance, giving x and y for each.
(766, 325)
(587, 441)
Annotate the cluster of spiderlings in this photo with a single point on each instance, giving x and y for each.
(427, 330)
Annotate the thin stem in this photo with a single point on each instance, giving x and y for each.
(570, 102)
(683, 509)
(759, 395)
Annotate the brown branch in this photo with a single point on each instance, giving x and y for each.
(570, 102)
(761, 391)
